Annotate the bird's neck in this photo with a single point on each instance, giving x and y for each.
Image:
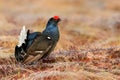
(52, 31)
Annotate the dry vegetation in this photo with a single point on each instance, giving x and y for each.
(89, 47)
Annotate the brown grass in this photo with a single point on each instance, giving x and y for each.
(93, 64)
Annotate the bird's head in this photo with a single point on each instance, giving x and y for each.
(54, 20)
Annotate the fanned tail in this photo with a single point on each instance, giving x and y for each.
(20, 49)
(22, 37)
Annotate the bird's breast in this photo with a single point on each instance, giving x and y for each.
(52, 33)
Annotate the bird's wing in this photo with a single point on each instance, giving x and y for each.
(31, 37)
(40, 46)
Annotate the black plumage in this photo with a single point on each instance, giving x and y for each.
(38, 45)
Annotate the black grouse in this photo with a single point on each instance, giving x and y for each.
(35, 46)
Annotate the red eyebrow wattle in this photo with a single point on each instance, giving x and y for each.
(56, 17)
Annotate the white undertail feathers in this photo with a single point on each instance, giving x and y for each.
(22, 36)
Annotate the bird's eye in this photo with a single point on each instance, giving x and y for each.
(49, 38)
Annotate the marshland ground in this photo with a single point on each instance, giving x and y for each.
(89, 45)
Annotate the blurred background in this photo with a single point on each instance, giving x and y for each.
(85, 23)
